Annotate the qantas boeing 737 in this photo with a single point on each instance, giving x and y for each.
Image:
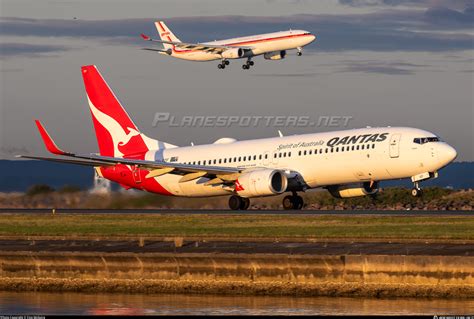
(273, 46)
(347, 163)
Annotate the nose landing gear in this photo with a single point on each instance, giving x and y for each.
(416, 190)
(298, 52)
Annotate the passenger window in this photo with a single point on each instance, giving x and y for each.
(332, 150)
(299, 153)
(337, 149)
(289, 154)
(266, 156)
(260, 157)
(358, 147)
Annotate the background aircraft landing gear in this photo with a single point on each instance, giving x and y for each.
(293, 202)
(238, 203)
(248, 64)
(299, 53)
(416, 191)
(223, 64)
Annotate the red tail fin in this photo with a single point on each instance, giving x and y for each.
(116, 133)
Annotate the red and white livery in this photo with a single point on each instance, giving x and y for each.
(273, 46)
(347, 163)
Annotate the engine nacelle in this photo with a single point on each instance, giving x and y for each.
(275, 55)
(261, 182)
(233, 53)
(353, 190)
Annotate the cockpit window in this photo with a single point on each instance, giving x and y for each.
(423, 140)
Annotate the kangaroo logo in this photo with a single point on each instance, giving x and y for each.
(118, 134)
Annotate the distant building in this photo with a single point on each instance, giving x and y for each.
(101, 185)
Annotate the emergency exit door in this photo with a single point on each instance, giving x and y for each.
(395, 145)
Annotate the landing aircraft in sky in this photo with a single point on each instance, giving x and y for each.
(347, 163)
(273, 46)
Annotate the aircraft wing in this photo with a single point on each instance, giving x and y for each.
(206, 47)
(160, 167)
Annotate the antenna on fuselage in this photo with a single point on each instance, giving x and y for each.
(280, 133)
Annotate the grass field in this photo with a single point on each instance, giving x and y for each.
(449, 227)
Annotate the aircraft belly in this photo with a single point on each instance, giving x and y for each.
(194, 188)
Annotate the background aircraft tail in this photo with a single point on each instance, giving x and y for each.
(166, 34)
(116, 133)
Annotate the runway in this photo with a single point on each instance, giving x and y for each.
(231, 212)
(233, 247)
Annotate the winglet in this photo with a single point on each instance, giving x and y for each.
(48, 141)
(145, 37)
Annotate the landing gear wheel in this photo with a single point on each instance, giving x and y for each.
(293, 202)
(288, 202)
(416, 192)
(245, 67)
(226, 62)
(235, 202)
(298, 202)
(299, 53)
(219, 66)
(251, 63)
(245, 203)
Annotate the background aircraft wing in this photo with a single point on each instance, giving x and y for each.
(206, 47)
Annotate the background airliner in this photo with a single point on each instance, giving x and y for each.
(347, 163)
(273, 46)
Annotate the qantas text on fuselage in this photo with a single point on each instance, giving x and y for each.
(347, 163)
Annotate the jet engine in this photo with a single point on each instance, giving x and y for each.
(261, 182)
(353, 190)
(275, 55)
(233, 53)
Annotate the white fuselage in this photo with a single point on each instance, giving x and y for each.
(262, 43)
(319, 159)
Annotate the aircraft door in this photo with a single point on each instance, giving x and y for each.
(275, 157)
(136, 174)
(394, 145)
(266, 158)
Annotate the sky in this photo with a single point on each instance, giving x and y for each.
(379, 62)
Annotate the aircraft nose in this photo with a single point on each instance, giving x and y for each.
(312, 38)
(447, 154)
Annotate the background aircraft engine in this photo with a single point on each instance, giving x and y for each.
(275, 55)
(261, 182)
(353, 190)
(233, 53)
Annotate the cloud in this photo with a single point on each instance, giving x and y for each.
(380, 67)
(387, 30)
(30, 50)
(454, 4)
(290, 75)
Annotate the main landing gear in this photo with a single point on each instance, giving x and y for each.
(298, 52)
(293, 202)
(416, 191)
(223, 64)
(248, 64)
(238, 203)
